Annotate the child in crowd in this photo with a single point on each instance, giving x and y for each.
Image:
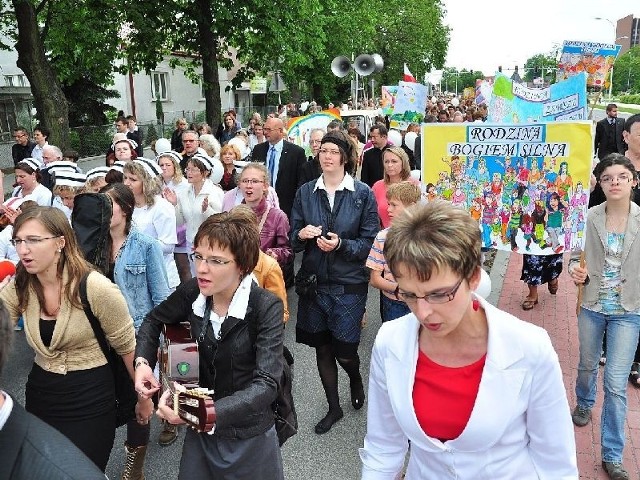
(67, 185)
(400, 196)
(96, 179)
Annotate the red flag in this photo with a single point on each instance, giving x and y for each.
(408, 76)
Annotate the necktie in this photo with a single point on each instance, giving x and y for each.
(272, 164)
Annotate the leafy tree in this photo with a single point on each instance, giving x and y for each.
(452, 79)
(626, 72)
(541, 65)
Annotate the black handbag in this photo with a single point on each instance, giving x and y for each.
(126, 396)
(306, 284)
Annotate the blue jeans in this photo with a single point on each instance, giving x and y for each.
(622, 340)
(392, 309)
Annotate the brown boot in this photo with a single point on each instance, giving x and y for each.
(134, 464)
(168, 435)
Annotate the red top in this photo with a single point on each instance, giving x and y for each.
(443, 397)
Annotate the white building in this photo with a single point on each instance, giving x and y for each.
(180, 97)
(16, 100)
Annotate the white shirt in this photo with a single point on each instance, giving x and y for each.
(347, 183)
(276, 159)
(5, 410)
(189, 207)
(8, 251)
(41, 195)
(159, 222)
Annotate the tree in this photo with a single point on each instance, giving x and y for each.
(626, 72)
(453, 79)
(541, 65)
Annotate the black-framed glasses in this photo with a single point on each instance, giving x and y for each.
(624, 178)
(433, 298)
(211, 262)
(30, 241)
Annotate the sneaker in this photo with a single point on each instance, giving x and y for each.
(168, 435)
(581, 416)
(615, 471)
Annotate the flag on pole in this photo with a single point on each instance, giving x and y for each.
(408, 76)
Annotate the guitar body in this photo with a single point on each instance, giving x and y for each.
(179, 358)
(179, 362)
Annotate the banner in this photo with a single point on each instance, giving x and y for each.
(388, 99)
(298, 128)
(594, 59)
(411, 103)
(527, 185)
(513, 102)
(257, 85)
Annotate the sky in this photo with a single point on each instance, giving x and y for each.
(488, 33)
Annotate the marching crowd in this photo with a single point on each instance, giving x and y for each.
(207, 232)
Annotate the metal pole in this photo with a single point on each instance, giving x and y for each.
(611, 80)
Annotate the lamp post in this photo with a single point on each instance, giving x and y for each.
(615, 39)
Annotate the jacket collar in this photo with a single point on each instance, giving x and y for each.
(631, 233)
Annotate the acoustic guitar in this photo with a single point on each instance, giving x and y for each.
(179, 362)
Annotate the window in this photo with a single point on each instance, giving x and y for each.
(22, 80)
(160, 85)
(8, 80)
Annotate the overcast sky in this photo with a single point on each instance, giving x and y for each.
(488, 33)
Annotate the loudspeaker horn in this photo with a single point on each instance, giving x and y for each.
(340, 66)
(378, 62)
(364, 64)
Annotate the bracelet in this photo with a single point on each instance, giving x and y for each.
(339, 244)
(140, 361)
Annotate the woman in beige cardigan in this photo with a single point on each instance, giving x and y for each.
(70, 385)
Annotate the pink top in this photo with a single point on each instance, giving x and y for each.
(380, 192)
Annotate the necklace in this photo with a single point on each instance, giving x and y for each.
(57, 310)
(616, 224)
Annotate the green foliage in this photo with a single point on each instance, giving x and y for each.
(151, 135)
(626, 72)
(541, 65)
(632, 99)
(453, 79)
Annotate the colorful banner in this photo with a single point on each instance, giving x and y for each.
(526, 185)
(411, 103)
(513, 102)
(298, 128)
(388, 99)
(595, 59)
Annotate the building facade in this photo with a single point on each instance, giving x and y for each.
(628, 33)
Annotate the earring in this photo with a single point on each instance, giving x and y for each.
(59, 250)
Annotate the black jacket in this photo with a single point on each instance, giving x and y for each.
(241, 373)
(605, 145)
(31, 449)
(292, 159)
(354, 220)
(20, 152)
(372, 166)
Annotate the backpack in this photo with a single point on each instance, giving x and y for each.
(91, 219)
(284, 410)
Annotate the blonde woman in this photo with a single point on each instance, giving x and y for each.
(152, 214)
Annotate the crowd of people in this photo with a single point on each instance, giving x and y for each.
(207, 232)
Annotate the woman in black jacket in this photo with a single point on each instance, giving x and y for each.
(239, 331)
(334, 221)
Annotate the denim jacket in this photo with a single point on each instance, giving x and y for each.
(141, 275)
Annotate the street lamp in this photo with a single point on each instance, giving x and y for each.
(615, 39)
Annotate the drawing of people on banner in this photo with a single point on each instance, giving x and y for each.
(523, 184)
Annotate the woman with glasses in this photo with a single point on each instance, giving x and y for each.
(70, 385)
(273, 223)
(333, 222)
(239, 330)
(610, 303)
(476, 392)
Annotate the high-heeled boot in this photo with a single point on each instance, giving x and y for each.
(134, 464)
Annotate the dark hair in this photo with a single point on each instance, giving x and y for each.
(6, 335)
(630, 121)
(611, 106)
(122, 119)
(20, 130)
(354, 131)
(25, 167)
(232, 231)
(114, 176)
(335, 125)
(382, 130)
(345, 145)
(43, 130)
(614, 159)
(72, 154)
(134, 153)
(71, 257)
(131, 117)
(123, 196)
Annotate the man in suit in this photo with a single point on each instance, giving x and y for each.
(135, 134)
(283, 160)
(23, 147)
(609, 133)
(372, 166)
(29, 448)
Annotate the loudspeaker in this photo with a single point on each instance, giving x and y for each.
(340, 66)
(364, 64)
(378, 62)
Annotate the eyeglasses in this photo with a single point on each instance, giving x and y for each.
(250, 181)
(20, 135)
(329, 152)
(211, 262)
(30, 241)
(619, 178)
(313, 142)
(433, 298)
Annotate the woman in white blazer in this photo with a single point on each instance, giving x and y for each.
(476, 392)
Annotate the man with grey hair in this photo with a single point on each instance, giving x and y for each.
(190, 143)
(53, 162)
(29, 448)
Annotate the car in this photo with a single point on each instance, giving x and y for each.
(363, 118)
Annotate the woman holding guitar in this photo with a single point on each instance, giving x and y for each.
(239, 332)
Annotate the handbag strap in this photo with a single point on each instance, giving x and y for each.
(95, 323)
(264, 218)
